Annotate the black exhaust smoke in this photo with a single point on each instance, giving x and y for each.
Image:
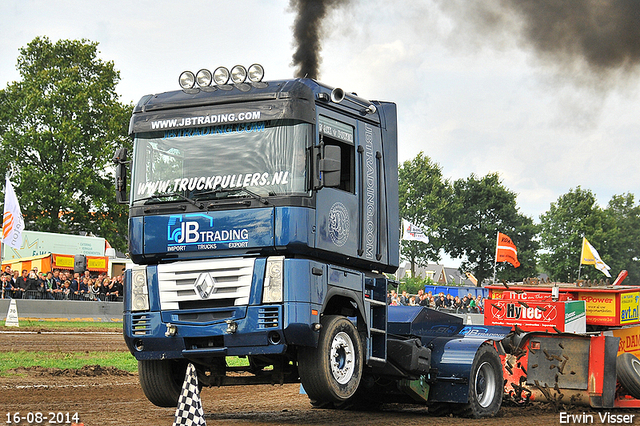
(307, 34)
(603, 34)
(601, 37)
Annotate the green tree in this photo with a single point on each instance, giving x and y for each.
(480, 208)
(59, 127)
(573, 216)
(424, 197)
(413, 284)
(623, 241)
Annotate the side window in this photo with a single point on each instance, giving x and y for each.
(333, 132)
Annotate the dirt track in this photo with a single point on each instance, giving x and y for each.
(103, 396)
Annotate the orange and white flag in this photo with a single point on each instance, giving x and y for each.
(12, 221)
(506, 251)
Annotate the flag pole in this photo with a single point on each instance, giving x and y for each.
(495, 259)
(581, 257)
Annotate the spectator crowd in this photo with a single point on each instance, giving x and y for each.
(60, 285)
(466, 304)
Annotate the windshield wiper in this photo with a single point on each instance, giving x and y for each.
(159, 197)
(254, 195)
(220, 190)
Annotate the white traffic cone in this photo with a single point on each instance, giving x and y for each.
(12, 315)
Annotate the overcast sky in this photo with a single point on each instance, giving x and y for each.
(476, 99)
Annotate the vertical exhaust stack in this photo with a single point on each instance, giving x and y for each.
(307, 34)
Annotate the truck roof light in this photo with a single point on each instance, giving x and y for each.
(187, 80)
(221, 76)
(256, 73)
(204, 78)
(238, 74)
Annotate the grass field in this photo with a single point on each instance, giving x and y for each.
(44, 325)
(122, 360)
(62, 360)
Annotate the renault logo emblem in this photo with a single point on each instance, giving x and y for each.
(205, 285)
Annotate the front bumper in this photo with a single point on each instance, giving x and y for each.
(251, 330)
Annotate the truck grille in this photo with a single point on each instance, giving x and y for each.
(207, 283)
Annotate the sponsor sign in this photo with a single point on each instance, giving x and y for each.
(208, 231)
(526, 295)
(40, 243)
(484, 333)
(197, 230)
(604, 306)
(629, 307)
(601, 307)
(205, 120)
(63, 261)
(339, 226)
(536, 316)
(97, 263)
(335, 129)
(575, 317)
(208, 183)
(629, 340)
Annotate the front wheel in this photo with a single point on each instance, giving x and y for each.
(161, 381)
(485, 384)
(331, 372)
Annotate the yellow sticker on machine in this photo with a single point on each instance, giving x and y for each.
(629, 307)
(602, 306)
(629, 339)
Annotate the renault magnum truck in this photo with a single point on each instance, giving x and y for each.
(263, 219)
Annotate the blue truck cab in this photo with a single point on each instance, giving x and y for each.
(263, 218)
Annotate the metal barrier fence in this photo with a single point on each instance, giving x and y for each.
(63, 310)
(38, 295)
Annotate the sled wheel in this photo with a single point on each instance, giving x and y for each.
(485, 384)
(628, 372)
(161, 381)
(331, 372)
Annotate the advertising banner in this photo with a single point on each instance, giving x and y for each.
(40, 243)
(537, 316)
(601, 307)
(629, 340)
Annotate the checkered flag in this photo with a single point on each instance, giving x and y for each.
(189, 410)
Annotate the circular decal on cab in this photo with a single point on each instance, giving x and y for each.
(339, 224)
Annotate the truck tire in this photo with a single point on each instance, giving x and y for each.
(628, 372)
(331, 372)
(161, 381)
(485, 384)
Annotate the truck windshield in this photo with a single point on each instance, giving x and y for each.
(268, 158)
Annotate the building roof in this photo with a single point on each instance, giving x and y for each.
(440, 274)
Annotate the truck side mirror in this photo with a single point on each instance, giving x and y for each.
(120, 160)
(329, 165)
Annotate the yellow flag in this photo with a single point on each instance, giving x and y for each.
(589, 256)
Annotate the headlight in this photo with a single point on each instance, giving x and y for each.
(238, 74)
(256, 73)
(272, 290)
(221, 76)
(187, 80)
(139, 289)
(203, 78)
